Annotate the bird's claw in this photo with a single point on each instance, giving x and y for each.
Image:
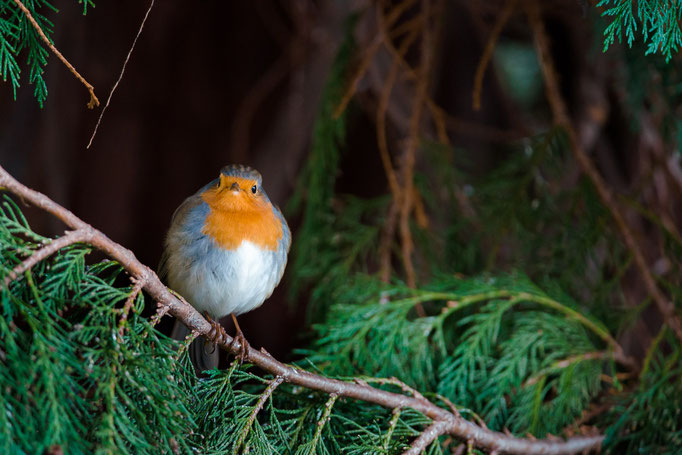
(217, 333)
(243, 346)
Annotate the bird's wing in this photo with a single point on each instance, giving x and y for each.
(180, 213)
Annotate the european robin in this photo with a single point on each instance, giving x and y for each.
(225, 251)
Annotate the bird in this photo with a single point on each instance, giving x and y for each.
(225, 252)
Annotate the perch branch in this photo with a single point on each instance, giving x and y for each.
(180, 309)
(93, 99)
(561, 117)
(120, 76)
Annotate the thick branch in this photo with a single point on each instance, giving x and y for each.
(93, 99)
(450, 423)
(560, 114)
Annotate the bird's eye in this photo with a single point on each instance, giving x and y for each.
(254, 188)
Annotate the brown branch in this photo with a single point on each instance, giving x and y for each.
(407, 200)
(120, 76)
(502, 19)
(93, 99)
(323, 420)
(372, 49)
(382, 143)
(272, 385)
(138, 285)
(179, 308)
(427, 436)
(561, 117)
(55, 245)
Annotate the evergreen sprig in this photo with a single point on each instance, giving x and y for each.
(656, 21)
(19, 39)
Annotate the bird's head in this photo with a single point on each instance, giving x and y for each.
(237, 189)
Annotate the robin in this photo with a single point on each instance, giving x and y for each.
(225, 252)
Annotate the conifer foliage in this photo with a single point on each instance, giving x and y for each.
(515, 322)
(20, 41)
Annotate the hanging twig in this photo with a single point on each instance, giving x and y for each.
(120, 76)
(188, 315)
(93, 99)
(409, 159)
(502, 19)
(371, 50)
(560, 114)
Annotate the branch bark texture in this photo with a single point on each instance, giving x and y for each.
(444, 421)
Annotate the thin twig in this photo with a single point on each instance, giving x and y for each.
(272, 385)
(560, 114)
(323, 420)
(188, 315)
(502, 19)
(55, 245)
(391, 427)
(372, 49)
(382, 143)
(138, 284)
(408, 164)
(93, 99)
(396, 382)
(427, 436)
(120, 76)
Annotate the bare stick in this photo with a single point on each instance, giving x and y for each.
(454, 425)
(93, 99)
(429, 435)
(560, 114)
(55, 245)
(502, 19)
(120, 76)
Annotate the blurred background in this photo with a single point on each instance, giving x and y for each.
(212, 83)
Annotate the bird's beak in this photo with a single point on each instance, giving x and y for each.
(235, 187)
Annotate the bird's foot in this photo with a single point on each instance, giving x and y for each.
(217, 333)
(239, 337)
(243, 345)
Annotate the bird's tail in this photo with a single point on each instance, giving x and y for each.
(202, 353)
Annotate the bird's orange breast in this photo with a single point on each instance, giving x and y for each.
(238, 216)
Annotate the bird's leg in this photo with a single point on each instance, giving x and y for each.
(239, 336)
(217, 331)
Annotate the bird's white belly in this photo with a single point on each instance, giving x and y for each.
(229, 281)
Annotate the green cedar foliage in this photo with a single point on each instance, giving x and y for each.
(656, 21)
(71, 380)
(19, 41)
